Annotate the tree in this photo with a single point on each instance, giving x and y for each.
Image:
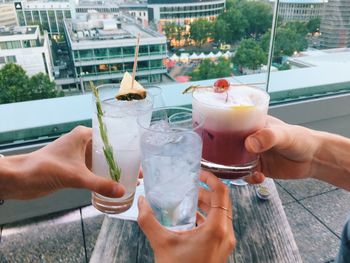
(201, 30)
(258, 16)
(170, 30)
(210, 70)
(42, 87)
(16, 86)
(313, 25)
(249, 55)
(236, 25)
(13, 84)
(298, 27)
(287, 41)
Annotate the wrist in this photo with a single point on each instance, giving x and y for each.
(332, 159)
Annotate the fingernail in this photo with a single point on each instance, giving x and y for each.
(255, 144)
(118, 190)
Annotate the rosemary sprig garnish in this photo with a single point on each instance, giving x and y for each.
(114, 170)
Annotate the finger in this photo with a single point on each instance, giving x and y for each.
(204, 200)
(220, 204)
(100, 185)
(267, 138)
(256, 178)
(154, 231)
(200, 218)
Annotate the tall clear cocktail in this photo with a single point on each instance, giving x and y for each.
(120, 120)
(230, 116)
(171, 154)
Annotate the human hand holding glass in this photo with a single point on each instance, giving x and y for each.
(286, 151)
(211, 241)
(64, 163)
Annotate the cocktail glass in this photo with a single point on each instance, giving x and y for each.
(157, 94)
(229, 118)
(120, 120)
(171, 154)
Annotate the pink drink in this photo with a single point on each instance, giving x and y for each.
(229, 118)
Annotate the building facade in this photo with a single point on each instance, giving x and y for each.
(27, 48)
(48, 14)
(335, 25)
(300, 10)
(103, 48)
(183, 12)
(8, 15)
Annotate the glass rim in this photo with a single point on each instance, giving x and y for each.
(178, 130)
(124, 105)
(247, 85)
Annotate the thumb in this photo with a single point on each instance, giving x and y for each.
(101, 185)
(148, 222)
(266, 138)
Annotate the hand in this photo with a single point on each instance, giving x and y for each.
(211, 241)
(286, 151)
(63, 163)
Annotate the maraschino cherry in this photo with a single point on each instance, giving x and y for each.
(221, 85)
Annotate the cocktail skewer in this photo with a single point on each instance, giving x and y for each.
(135, 60)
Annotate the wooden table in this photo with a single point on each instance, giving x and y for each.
(261, 228)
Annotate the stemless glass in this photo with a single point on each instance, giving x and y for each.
(157, 94)
(171, 153)
(120, 120)
(229, 118)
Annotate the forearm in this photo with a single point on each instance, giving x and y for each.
(11, 169)
(332, 160)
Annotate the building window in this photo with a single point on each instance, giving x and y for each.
(52, 19)
(115, 52)
(128, 51)
(143, 51)
(21, 20)
(11, 59)
(2, 60)
(10, 44)
(86, 54)
(44, 20)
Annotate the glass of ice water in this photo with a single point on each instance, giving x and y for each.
(170, 156)
(120, 121)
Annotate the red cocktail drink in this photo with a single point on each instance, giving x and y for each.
(229, 118)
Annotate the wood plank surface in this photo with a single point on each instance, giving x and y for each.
(261, 227)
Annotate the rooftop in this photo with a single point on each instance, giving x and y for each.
(93, 27)
(18, 30)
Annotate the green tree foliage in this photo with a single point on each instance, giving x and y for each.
(201, 30)
(170, 30)
(249, 55)
(236, 26)
(258, 16)
(210, 70)
(16, 86)
(313, 25)
(287, 41)
(174, 31)
(42, 87)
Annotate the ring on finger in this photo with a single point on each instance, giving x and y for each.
(220, 207)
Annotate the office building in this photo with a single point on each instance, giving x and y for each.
(27, 48)
(8, 15)
(48, 14)
(183, 12)
(335, 25)
(300, 10)
(103, 47)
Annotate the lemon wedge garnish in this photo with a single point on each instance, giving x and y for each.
(243, 107)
